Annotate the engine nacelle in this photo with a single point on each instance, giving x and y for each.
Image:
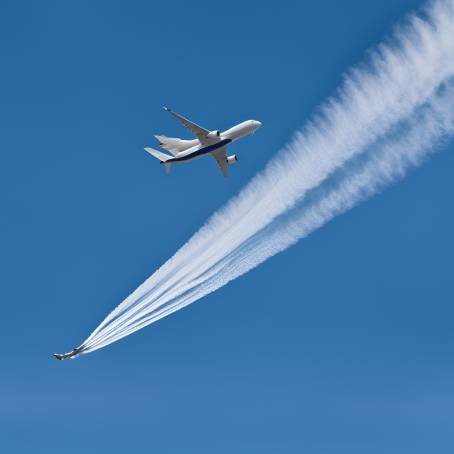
(214, 134)
(232, 159)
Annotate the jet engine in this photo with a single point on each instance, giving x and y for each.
(232, 159)
(214, 134)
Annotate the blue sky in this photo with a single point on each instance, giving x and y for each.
(343, 343)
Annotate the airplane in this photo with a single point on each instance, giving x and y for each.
(208, 143)
(68, 355)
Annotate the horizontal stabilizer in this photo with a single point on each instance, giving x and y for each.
(175, 145)
(158, 154)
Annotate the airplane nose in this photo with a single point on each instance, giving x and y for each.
(257, 124)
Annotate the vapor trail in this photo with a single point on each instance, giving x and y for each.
(388, 115)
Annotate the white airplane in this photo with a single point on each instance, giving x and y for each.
(212, 143)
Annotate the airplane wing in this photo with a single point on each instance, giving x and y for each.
(221, 160)
(200, 132)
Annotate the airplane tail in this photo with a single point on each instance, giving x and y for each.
(163, 158)
(175, 145)
(158, 154)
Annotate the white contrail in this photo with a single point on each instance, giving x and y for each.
(387, 116)
(388, 163)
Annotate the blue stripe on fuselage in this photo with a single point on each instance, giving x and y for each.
(202, 151)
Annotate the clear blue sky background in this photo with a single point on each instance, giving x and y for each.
(342, 344)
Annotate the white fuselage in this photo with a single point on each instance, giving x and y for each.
(216, 141)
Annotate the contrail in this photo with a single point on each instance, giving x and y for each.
(387, 117)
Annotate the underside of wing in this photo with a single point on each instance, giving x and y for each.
(221, 160)
(200, 132)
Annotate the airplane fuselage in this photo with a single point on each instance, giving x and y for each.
(218, 141)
